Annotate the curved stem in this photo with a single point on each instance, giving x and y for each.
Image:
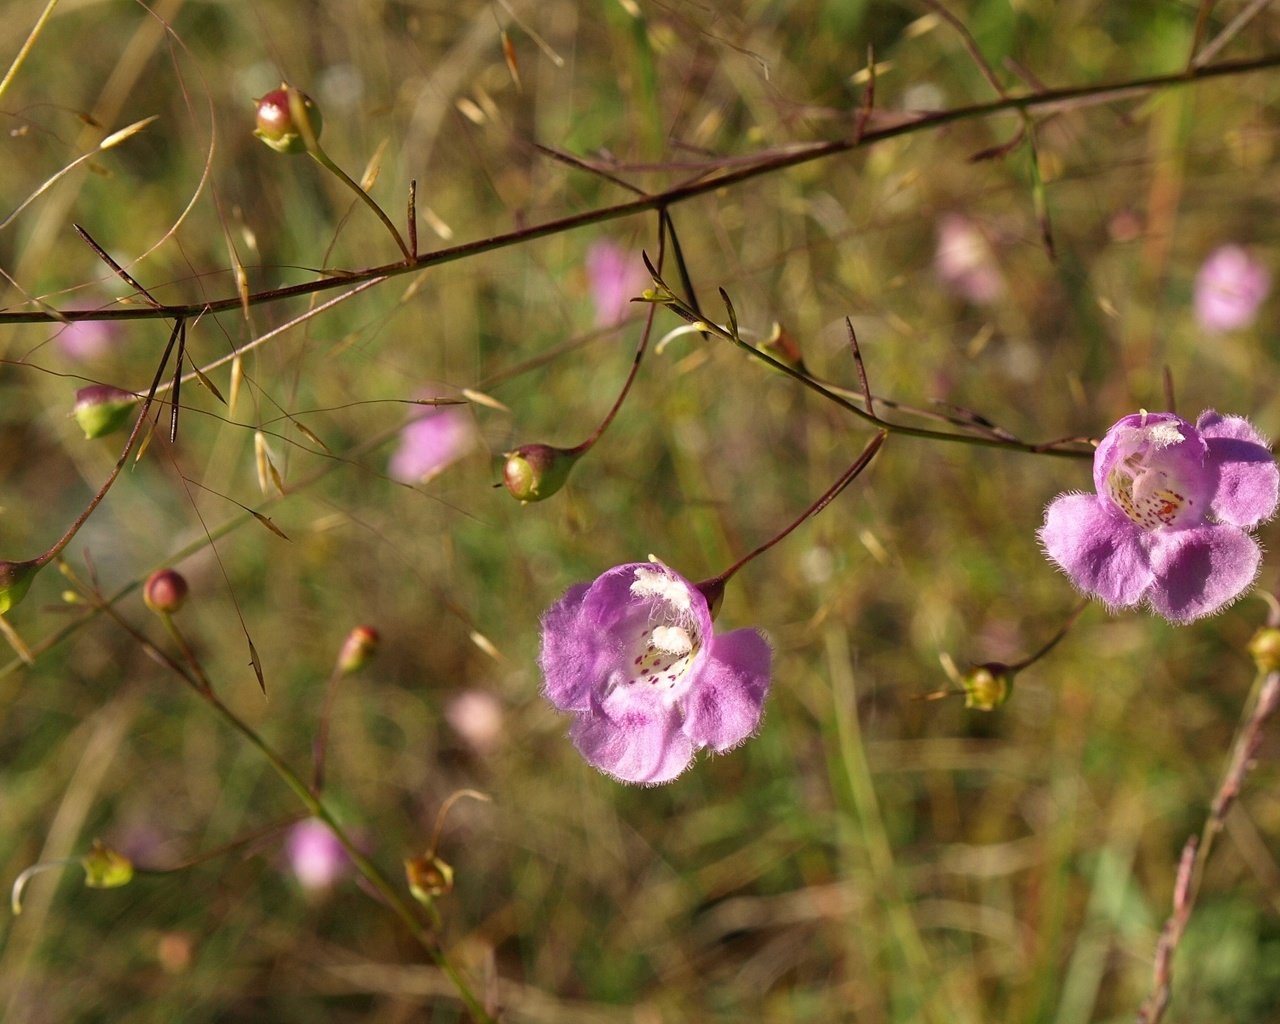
(322, 158)
(828, 496)
(385, 888)
(583, 448)
(756, 166)
(96, 500)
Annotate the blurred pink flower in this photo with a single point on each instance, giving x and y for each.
(82, 340)
(615, 277)
(476, 716)
(964, 261)
(1229, 289)
(431, 443)
(315, 855)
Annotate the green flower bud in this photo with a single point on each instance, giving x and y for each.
(101, 409)
(428, 876)
(15, 581)
(986, 687)
(360, 645)
(105, 868)
(165, 591)
(1265, 649)
(536, 471)
(783, 348)
(276, 124)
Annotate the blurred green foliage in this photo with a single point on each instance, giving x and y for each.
(870, 856)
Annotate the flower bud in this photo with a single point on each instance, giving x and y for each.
(783, 348)
(165, 591)
(105, 868)
(360, 645)
(15, 581)
(986, 687)
(1265, 649)
(276, 124)
(428, 876)
(101, 409)
(536, 471)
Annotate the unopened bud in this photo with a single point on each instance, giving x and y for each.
(277, 126)
(15, 581)
(987, 686)
(105, 868)
(101, 409)
(165, 591)
(1265, 649)
(428, 876)
(536, 471)
(783, 348)
(360, 645)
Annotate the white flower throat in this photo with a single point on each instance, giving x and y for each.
(1152, 482)
(670, 640)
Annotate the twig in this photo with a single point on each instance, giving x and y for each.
(764, 165)
(1195, 853)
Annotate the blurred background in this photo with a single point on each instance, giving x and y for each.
(870, 855)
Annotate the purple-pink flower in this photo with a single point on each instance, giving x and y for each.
(315, 855)
(614, 277)
(431, 443)
(964, 261)
(634, 657)
(1230, 287)
(1168, 524)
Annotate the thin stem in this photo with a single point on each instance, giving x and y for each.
(668, 298)
(81, 519)
(1262, 704)
(757, 166)
(1057, 637)
(302, 121)
(641, 348)
(322, 158)
(372, 873)
(832, 492)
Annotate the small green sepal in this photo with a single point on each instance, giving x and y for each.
(986, 687)
(15, 581)
(101, 409)
(534, 472)
(105, 868)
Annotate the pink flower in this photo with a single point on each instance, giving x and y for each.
(431, 443)
(315, 855)
(476, 716)
(964, 261)
(1230, 287)
(1169, 522)
(83, 340)
(633, 657)
(614, 277)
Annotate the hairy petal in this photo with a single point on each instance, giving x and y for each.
(571, 654)
(1248, 478)
(1200, 571)
(724, 706)
(635, 741)
(1101, 552)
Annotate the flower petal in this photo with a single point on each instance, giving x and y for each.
(1201, 570)
(569, 652)
(634, 740)
(724, 704)
(1101, 552)
(1248, 478)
